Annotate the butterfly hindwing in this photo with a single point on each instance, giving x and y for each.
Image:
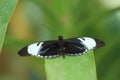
(50, 49)
(74, 46)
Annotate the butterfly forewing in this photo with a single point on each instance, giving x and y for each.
(46, 49)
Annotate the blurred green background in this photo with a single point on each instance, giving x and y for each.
(38, 20)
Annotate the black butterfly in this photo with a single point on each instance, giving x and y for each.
(61, 47)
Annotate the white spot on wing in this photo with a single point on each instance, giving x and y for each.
(41, 56)
(33, 49)
(45, 56)
(80, 53)
(88, 42)
(49, 56)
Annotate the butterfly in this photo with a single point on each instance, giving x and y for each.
(61, 47)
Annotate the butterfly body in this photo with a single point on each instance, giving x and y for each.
(61, 47)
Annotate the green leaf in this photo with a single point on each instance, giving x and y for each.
(6, 9)
(71, 68)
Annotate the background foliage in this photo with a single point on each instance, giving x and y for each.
(37, 20)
